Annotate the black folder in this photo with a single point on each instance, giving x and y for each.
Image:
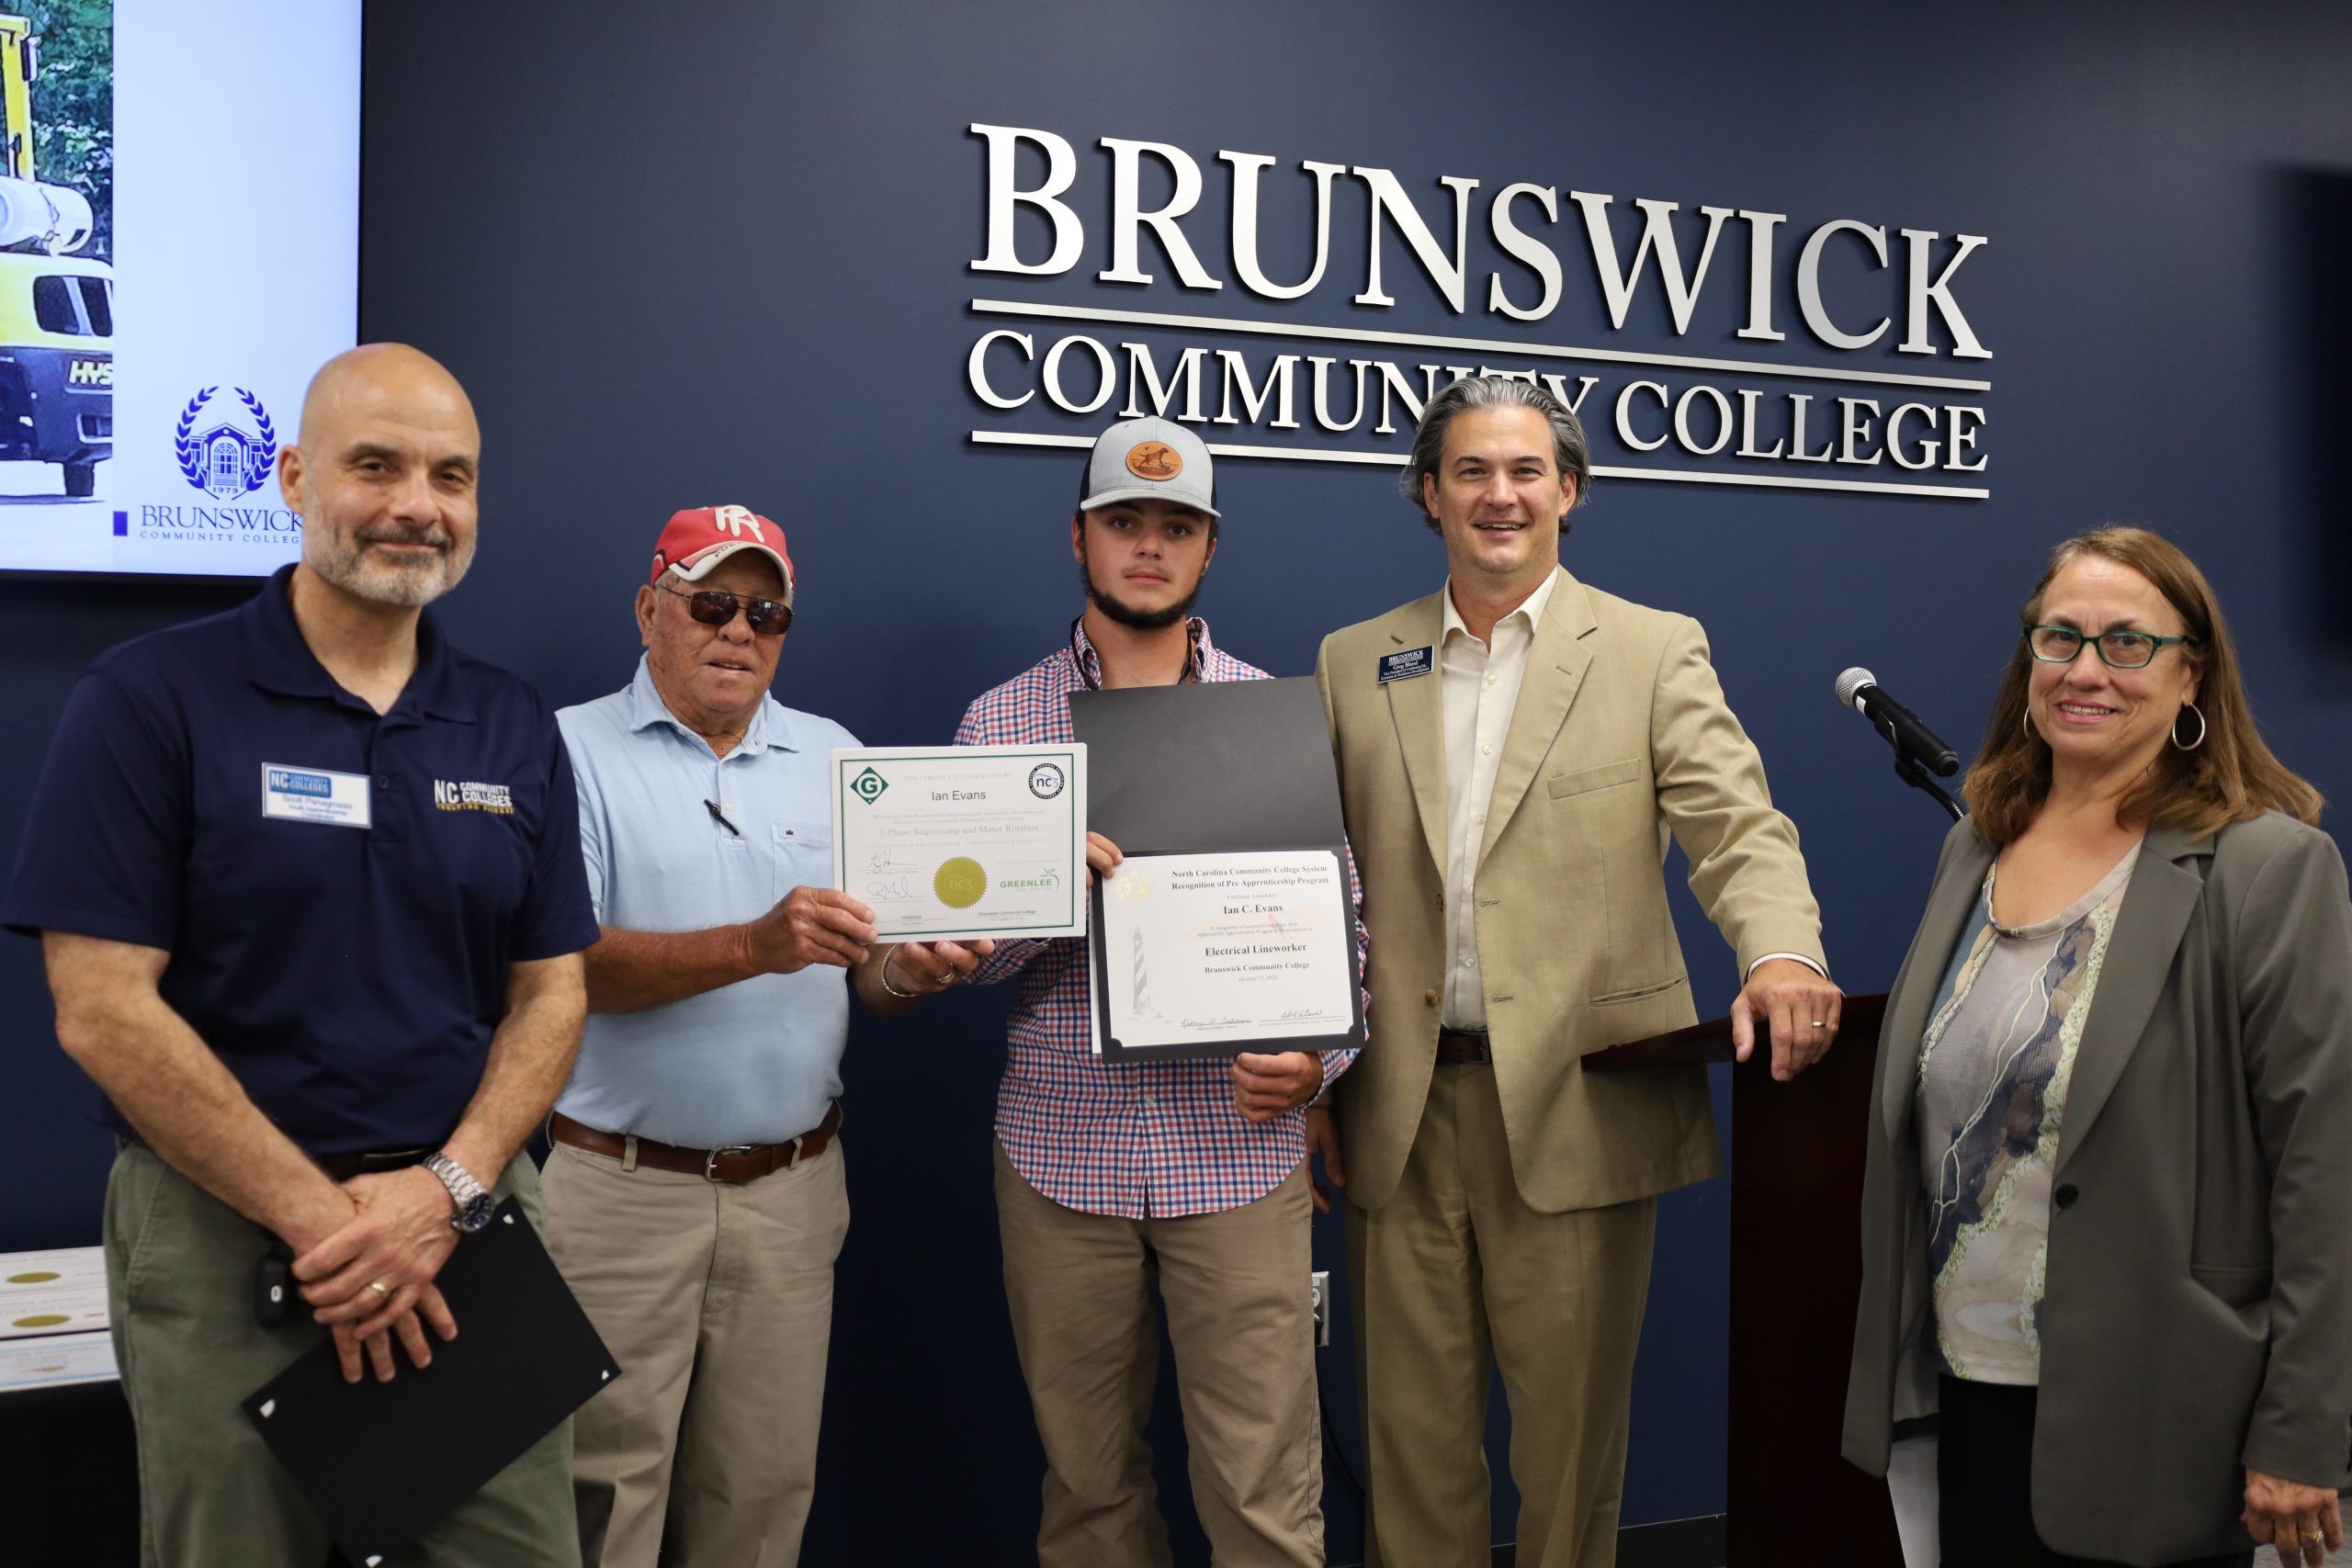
(1210, 766)
(382, 1462)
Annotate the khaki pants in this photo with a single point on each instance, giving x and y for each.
(1456, 1275)
(1240, 1314)
(180, 1268)
(717, 1302)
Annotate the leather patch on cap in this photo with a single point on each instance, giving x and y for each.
(1154, 460)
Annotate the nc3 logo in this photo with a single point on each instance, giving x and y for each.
(868, 786)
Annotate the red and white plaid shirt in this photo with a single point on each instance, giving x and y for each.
(1134, 1139)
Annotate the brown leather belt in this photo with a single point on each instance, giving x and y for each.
(735, 1163)
(343, 1167)
(1462, 1048)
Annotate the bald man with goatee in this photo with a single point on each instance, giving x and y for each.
(308, 884)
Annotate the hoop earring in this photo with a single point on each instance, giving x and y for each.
(2025, 722)
(2200, 728)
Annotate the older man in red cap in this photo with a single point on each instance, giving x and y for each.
(695, 1195)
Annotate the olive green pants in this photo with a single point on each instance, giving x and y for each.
(180, 1268)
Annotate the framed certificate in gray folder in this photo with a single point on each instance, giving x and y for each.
(1231, 924)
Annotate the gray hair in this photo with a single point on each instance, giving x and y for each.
(1569, 452)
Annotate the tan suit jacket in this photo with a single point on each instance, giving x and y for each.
(1621, 734)
(2198, 1308)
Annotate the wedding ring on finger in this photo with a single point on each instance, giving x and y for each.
(380, 1289)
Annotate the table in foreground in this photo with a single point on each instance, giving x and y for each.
(69, 1474)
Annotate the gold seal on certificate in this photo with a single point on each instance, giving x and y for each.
(959, 842)
(960, 883)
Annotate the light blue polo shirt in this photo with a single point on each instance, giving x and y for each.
(757, 1061)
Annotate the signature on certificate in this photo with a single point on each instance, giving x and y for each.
(896, 887)
(883, 860)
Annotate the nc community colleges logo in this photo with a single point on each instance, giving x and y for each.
(449, 794)
(231, 455)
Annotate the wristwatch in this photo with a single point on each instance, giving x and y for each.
(475, 1205)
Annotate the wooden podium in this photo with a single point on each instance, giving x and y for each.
(1796, 1190)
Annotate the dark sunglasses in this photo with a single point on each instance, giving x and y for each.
(713, 607)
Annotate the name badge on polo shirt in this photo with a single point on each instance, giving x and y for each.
(1406, 665)
(314, 795)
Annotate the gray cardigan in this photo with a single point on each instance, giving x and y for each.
(2198, 1317)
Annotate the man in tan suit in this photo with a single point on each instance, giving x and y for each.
(1512, 751)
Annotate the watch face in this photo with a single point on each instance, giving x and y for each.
(477, 1211)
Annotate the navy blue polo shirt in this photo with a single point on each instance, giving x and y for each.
(350, 976)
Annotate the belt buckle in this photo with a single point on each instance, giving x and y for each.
(710, 1159)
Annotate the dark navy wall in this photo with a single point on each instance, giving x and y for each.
(719, 252)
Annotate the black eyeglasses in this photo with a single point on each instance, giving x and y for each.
(713, 607)
(2116, 651)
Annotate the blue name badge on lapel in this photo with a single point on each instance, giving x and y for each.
(1406, 665)
(315, 795)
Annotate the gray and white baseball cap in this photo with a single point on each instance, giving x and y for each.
(1148, 459)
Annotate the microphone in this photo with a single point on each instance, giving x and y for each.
(1858, 689)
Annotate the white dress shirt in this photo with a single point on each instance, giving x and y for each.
(1478, 687)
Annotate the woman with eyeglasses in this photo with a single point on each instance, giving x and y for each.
(2107, 1223)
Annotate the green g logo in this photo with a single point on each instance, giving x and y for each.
(868, 786)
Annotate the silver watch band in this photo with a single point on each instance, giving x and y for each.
(468, 1196)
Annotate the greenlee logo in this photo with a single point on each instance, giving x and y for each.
(868, 786)
(1047, 879)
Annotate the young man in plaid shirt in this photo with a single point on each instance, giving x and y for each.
(1192, 1172)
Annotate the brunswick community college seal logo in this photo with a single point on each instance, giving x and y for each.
(226, 459)
(1154, 460)
(1045, 781)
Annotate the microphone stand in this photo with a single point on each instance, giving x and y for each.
(1914, 771)
(1911, 771)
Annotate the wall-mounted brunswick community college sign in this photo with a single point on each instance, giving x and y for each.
(1820, 404)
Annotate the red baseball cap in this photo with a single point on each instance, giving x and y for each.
(695, 541)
